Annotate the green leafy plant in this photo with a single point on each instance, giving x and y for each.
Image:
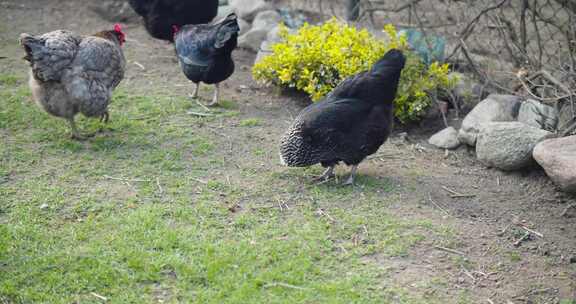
(317, 58)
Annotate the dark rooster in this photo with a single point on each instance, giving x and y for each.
(205, 52)
(160, 15)
(352, 122)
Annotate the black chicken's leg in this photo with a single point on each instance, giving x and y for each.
(328, 174)
(350, 180)
(196, 89)
(216, 97)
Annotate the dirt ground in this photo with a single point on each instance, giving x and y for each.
(494, 211)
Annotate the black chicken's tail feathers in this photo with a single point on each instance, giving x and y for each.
(393, 59)
(228, 29)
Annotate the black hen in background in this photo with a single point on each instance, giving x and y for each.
(205, 52)
(160, 15)
(352, 122)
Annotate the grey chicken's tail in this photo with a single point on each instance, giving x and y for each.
(30, 44)
(50, 54)
(228, 29)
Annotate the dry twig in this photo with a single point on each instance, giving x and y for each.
(286, 285)
(454, 194)
(200, 114)
(159, 186)
(565, 211)
(450, 250)
(437, 205)
(532, 231)
(103, 298)
(126, 179)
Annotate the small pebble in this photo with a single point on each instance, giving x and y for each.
(44, 206)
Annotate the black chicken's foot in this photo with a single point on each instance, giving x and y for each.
(350, 180)
(216, 97)
(195, 92)
(327, 175)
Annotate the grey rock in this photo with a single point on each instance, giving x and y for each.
(508, 145)
(224, 11)
(265, 50)
(272, 38)
(494, 108)
(115, 11)
(263, 23)
(252, 39)
(266, 20)
(248, 9)
(273, 35)
(558, 158)
(445, 139)
(538, 115)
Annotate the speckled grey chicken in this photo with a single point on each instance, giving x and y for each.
(352, 122)
(205, 52)
(73, 74)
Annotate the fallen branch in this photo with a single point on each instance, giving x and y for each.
(450, 250)
(202, 105)
(159, 186)
(322, 212)
(199, 114)
(532, 231)
(281, 284)
(103, 298)
(565, 212)
(199, 180)
(454, 194)
(127, 179)
(138, 64)
(437, 205)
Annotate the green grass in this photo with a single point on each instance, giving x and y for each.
(153, 211)
(250, 122)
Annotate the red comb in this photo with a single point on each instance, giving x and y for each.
(175, 29)
(117, 28)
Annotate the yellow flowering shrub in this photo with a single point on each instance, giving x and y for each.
(317, 58)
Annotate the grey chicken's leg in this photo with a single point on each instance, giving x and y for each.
(216, 97)
(75, 133)
(329, 173)
(196, 89)
(105, 117)
(350, 180)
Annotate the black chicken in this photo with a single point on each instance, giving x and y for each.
(160, 15)
(352, 122)
(205, 52)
